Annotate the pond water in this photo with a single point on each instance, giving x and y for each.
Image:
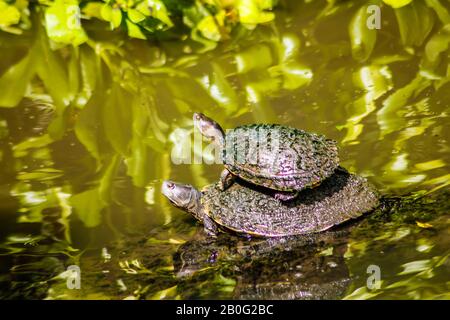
(99, 127)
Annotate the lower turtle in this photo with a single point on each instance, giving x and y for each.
(252, 210)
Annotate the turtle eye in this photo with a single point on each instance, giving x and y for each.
(171, 185)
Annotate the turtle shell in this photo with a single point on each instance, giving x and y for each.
(246, 208)
(279, 157)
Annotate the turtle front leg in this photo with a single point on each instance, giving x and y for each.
(210, 226)
(286, 196)
(226, 179)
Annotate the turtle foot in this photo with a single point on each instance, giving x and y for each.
(226, 180)
(210, 227)
(286, 196)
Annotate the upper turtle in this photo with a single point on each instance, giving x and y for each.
(271, 155)
(249, 209)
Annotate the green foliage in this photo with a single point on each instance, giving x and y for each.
(397, 3)
(208, 21)
(253, 12)
(12, 89)
(14, 16)
(90, 203)
(62, 22)
(10, 14)
(436, 48)
(415, 22)
(362, 38)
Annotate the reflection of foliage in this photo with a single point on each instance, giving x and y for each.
(113, 104)
(211, 20)
(421, 260)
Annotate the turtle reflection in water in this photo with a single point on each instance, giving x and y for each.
(295, 267)
(252, 210)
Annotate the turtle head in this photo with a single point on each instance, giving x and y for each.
(183, 196)
(209, 128)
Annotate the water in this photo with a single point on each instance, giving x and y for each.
(84, 153)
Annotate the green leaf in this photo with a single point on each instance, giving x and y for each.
(375, 81)
(25, 147)
(397, 3)
(116, 116)
(15, 80)
(114, 16)
(256, 57)
(387, 117)
(62, 22)
(440, 10)
(88, 205)
(137, 163)
(88, 129)
(415, 21)
(295, 75)
(436, 46)
(220, 89)
(416, 266)
(52, 72)
(89, 62)
(40, 174)
(254, 11)
(362, 38)
(74, 72)
(107, 180)
(159, 11)
(146, 134)
(93, 9)
(169, 293)
(135, 16)
(9, 14)
(257, 91)
(362, 293)
(134, 31)
(209, 28)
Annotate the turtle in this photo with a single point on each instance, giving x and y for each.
(250, 210)
(274, 156)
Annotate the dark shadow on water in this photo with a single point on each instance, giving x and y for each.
(302, 267)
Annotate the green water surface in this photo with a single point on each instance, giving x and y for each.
(88, 133)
